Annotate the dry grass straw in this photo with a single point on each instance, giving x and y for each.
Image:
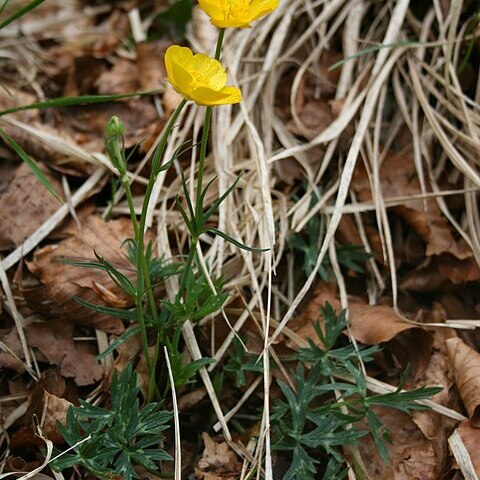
(428, 98)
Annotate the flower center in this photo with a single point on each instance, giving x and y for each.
(198, 80)
(237, 9)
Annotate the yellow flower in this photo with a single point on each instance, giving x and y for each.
(236, 13)
(199, 77)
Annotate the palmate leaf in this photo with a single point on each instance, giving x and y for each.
(303, 466)
(121, 437)
(31, 164)
(310, 420)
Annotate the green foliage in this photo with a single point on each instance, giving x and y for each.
(199, 301)
(122, 437)
(183, 372)
(158, 268)
(174, 20)
(19, 13)
(30, 163)
(311, 423)
(196, 219)
(73, 101)
(307, 244)
(239, 362)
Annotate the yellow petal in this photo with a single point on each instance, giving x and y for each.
(230, 23)
(209, 97)
(175, 60)
(211, 70)
(259, 8)
(210, 8)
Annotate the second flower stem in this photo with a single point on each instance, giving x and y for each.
(143, 277)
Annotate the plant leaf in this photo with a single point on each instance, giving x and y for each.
(235, 242)
(20, 13)
(31, 164)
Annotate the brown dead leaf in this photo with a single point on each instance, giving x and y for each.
(83, 72)
(9, 359)
(399, 179)
(315, 117)
(11, 97)
(440, 272)
(434, 426)
(150, 64)
(218, 461)
(58, 282)
(86, 124)
(412, 456)
(47, 404)
(465, 362)
(24, 206)
(121, 78)
(190, 399)
(471, 439)
(55, 340)
(369, 324)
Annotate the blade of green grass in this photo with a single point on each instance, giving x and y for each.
(20, 13)
(72, 101)
(373, 49)
(31, 164)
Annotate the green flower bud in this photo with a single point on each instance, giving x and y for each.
(114, 128)
(114, 132)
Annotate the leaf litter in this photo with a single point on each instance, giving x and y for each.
(412, 203)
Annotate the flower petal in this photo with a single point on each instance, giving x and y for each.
(210, 8)
(230, 22)
(259, 8)
(209, 97)
(211, 70)
(176, 60)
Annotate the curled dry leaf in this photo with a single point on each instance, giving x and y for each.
(440, 272)
(58, 282)
(471, 439)
(398, 178)
(465, 362)
(218, 461)
(36, 205)
(434, 426)
(49, 402)
(10, 357)
(412, 456)
(75, 360)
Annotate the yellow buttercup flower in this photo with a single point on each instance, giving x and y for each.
(199, 77)
(236, 13)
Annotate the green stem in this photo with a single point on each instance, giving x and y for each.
(131, 206)
(221, 35)
(151, 383)
(201, 164)
(203, 146)
(143, 278)
(187, 266)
